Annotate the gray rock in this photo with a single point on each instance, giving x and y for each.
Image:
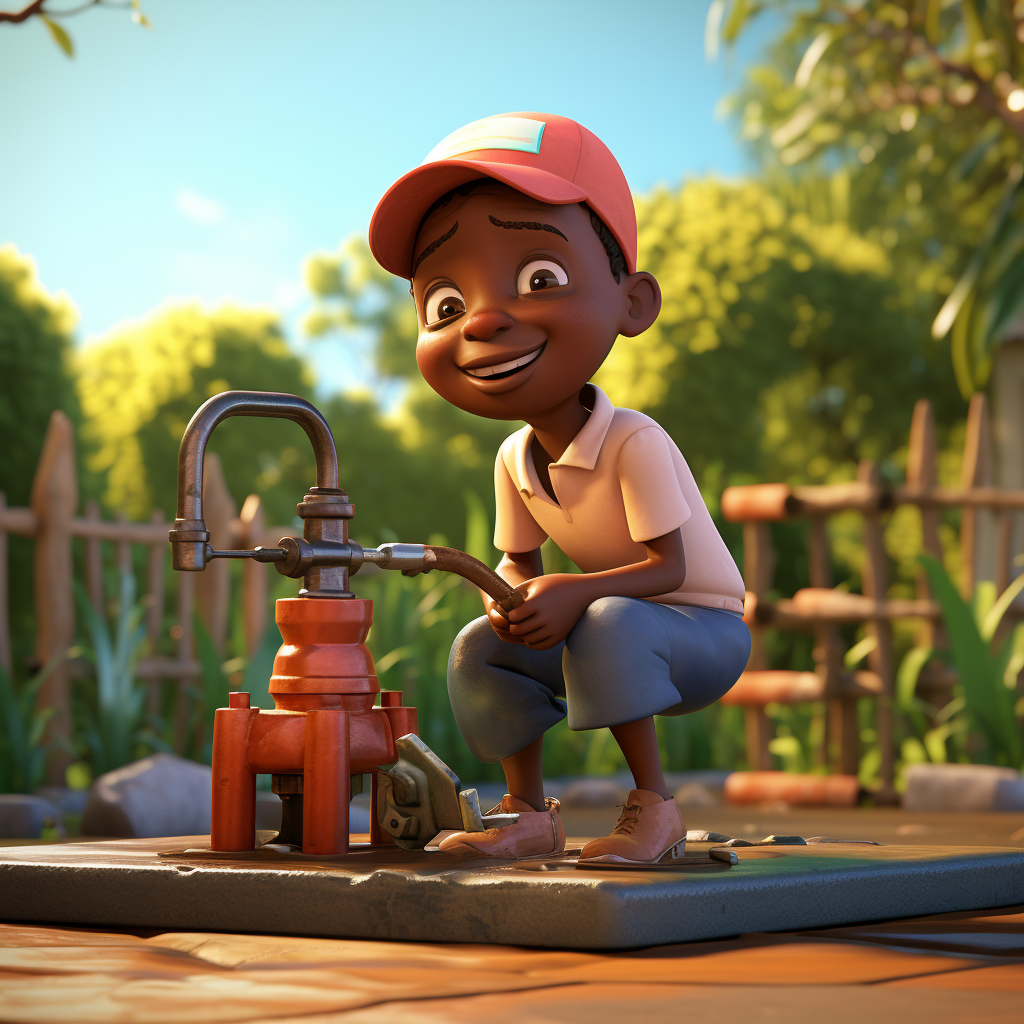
(963, 787)
(695, 836)
(1009, 795)
(161, 795)
(696, 794)
(24, 817)
(594, 792)
(69, 801)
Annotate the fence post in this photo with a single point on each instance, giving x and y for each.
(213, 587)
(54, 499)
(254, 576)
(881, 658)
(758, 572)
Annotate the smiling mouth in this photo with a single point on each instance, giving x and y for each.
(499, 371)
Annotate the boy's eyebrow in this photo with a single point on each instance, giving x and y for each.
(434, 246)
(529, 225)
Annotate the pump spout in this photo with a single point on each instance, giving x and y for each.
(189, 536)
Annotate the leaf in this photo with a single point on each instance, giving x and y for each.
(810, 59)
(738, 16)
(59, 36)
(965, 286)
(909, 672)
(995, 615)
(931, 21)
(1005, 303)
(712, 29)
(859, 651)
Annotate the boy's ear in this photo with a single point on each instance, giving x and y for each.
(643, 294)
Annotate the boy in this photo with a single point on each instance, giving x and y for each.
(518, 235)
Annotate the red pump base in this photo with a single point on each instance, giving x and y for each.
(324, 727)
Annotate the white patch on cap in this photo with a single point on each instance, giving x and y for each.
(522, 134)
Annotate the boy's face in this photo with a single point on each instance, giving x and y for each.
(518, 307)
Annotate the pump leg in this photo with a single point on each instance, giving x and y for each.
(326, 786)
(233, 808)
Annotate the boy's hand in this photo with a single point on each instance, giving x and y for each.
(498, 619)
(552, 608)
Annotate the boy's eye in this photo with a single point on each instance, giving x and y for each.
(540, 275)
(442, 304)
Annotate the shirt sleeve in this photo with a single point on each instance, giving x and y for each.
(651, 493)
(515, 530)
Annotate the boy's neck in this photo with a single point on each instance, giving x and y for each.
(556, 428)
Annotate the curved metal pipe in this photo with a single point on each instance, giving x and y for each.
(188, 536)
(248, 403)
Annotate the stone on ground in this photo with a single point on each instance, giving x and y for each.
(24, 817)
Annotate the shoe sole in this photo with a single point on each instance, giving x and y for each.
(673, 853)
(462, 848)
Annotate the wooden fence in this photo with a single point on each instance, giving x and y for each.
(51, 522)
(987, 552)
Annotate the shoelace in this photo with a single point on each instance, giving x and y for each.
(628, 820)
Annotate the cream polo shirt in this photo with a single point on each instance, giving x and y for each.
(620, 482)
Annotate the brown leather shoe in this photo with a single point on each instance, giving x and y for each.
(649, 829)
(535, 834)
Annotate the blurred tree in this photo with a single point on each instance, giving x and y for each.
(141, 383)
(35, 379)
(42, 10)
(35, 375)
(784, 350)
(923, 101)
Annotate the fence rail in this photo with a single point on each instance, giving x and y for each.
(986, 552)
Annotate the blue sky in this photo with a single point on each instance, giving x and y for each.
(206, 157)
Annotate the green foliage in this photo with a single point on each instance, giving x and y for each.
(988, 687)
(213, 693)
(22, 750)
(141, 384)
(356, 296)
(112, 709)
(922, 100)
(783, 349)
(35, 379)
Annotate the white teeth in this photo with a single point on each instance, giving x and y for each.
(512, 364)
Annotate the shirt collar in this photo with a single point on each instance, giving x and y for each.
(584, 448)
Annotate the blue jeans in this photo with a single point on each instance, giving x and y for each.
(625, 659)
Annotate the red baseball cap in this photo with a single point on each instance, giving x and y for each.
(547, 157)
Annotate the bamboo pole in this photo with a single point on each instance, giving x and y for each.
(54, 497)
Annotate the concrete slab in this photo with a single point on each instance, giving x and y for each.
(387, 893)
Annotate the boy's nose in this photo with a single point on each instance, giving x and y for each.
(485, 325)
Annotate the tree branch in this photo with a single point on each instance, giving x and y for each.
(36, 8)
(23, 15)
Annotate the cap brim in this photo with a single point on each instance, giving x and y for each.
(398, 215)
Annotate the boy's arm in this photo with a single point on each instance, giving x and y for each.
(555, 603)
(514, 568)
